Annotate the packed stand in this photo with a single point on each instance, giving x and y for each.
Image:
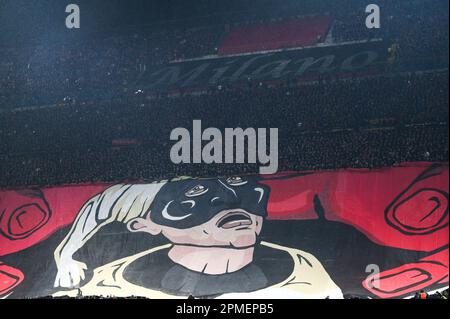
(105, 67)
(418, 27)
(361, 123)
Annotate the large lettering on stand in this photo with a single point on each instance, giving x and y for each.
(359, 58)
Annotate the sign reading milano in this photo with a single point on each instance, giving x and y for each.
(361, 58)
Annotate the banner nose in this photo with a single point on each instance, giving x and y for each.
(225, 196)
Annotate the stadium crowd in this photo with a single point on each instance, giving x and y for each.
(103, 67)
(361, 123)
(86, 99)
(425, 36)
(95, 69)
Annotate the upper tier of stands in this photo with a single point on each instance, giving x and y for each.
(300, 32)
(51, 72)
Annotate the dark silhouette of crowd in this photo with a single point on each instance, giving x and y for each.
(361, 123)
(106, 66)
(437, 295)
(418, 27)
(95, 69)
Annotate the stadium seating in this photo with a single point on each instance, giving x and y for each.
(278, 35)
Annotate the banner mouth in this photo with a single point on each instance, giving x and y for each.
(234, 219)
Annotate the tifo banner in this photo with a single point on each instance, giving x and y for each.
(379, 233)
(311, 63)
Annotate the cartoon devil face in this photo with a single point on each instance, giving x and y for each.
(208, 212)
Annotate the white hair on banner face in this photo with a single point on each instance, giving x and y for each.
(118, 203)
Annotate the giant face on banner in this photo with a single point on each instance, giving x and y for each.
(381, 233)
